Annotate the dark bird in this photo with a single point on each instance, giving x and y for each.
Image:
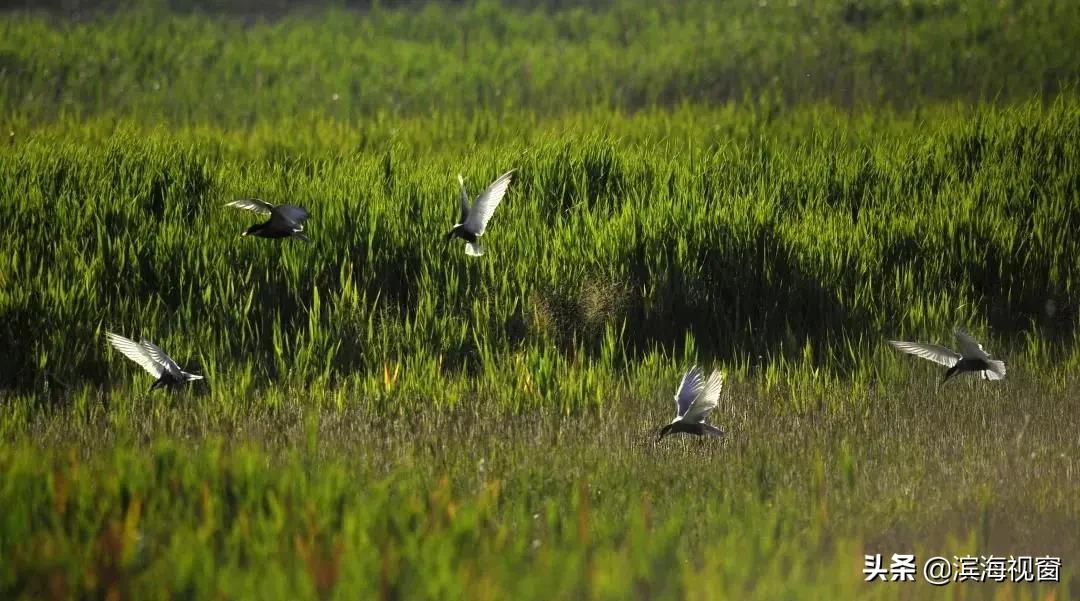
(694, 401)
(285, 220)
(474, 219)
(971, 357)
(153, 360)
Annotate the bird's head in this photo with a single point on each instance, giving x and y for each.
(251, 230)
(664, 432)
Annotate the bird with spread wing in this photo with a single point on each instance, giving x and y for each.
(153, 360)
(695, 399)
(286, 221)
(972, 357)
(474, 219)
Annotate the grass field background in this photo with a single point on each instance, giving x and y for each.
(770, 190)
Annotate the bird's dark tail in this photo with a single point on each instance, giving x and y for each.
(712, 430)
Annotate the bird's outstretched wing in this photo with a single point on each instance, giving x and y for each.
(486, 203)
(464, 200)
(969, 347)
(688, 390)
(252, 204)
(292, 213)
(161, 358)
(932, 352)
(137, 353)
(707, 399)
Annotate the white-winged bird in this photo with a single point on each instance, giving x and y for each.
(971, 357)
(694, 401)
(153, 360)
(285, 220)
(474, 219)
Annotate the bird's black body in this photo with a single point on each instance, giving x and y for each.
(964, 365)
(270, 229)
(167, 380)
(698, 429)
(459, 231)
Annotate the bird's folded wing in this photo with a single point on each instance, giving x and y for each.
(252, 204)
(134, 351)
(486, 203)
(160, 357)
(706, 400)
(969, 347)
(932, 352)
(293, 213)
(688, 390)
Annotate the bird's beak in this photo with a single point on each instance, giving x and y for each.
(243, 234)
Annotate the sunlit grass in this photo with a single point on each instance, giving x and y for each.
(191, 495)
(386, 416)
(769, 248)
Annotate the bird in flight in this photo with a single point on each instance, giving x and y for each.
(285, 220)
(153, 360)
(971, 357)
(694, 401)
(474, 219)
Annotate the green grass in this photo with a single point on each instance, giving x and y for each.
(258, 499)
(795, 240)
(482, 58)
(384, 417)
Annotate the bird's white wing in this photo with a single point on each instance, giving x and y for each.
(464, 200)
(969, 347)
(135, 351)
(933, 352)
(161, 358)
(688, 390)
(252, 204)
(486, 203)
(707, 399)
